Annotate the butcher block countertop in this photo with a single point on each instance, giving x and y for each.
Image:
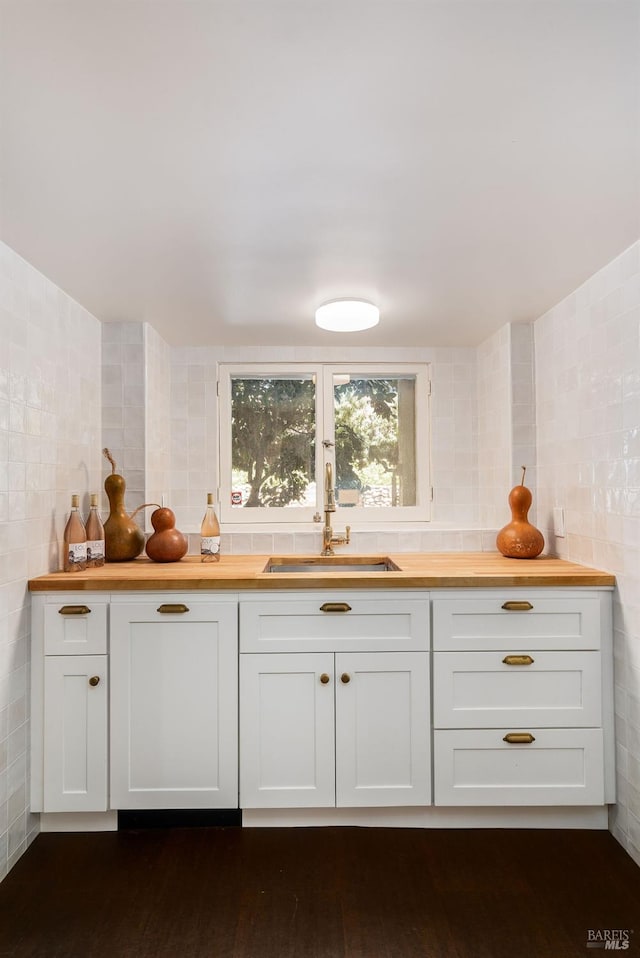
(442, 570)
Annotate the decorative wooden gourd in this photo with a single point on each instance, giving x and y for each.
(519, 539)
(166, 544)
(123, 537)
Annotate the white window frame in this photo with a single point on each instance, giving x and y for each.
(324, 372)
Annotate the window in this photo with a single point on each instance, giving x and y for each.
(280, 426)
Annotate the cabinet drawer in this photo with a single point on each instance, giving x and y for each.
(482, 690)
(75, 628)
(336, 622)
(561, 767)
(517, 622)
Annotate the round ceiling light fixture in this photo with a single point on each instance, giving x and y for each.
(347, 315)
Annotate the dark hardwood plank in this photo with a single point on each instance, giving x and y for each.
(318, 893)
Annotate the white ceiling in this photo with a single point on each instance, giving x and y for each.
(219, 169)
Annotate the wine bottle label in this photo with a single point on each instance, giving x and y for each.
(95, 549)
(209, 545)
(77, 552)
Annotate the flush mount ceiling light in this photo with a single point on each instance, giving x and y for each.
(347, 315)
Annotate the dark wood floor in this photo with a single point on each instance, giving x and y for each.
(318, 893)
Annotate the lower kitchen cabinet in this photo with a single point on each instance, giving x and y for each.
(75, 733)
(521, 699)
(324, 729)
(174, 707)
(319, 700)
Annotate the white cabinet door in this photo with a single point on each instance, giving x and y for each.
(382, 729)
(307, 740)
(287, 757)
(75, 733)
(174, 738)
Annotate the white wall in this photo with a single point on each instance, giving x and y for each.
(123, 422)
(50, 421)
(587, 360)
(157, 383)
(506, 421)
(454, 425)
(494, 427)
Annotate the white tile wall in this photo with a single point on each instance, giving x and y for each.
(123, 427)
(587, 358)
(157, 385)
(50, 416)
(453, 414)
(506, 421)
(494, 427)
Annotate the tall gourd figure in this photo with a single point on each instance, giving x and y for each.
(123, 537)
(519, 539)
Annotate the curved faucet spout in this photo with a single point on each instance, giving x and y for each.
(328, 538)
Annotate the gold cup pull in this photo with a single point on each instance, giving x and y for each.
(170, 608)
(335, 607)
(74, 610)
(345, 678)
(518, 660)
(94, 680)
(517, 606)
(519, 738)
(324, 678)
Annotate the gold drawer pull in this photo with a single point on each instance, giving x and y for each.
(74, 610)
(335, 607)
(519, 738)
(517, 606)
(94, 680)
(324, 678)
(173, 608)
(518, 660)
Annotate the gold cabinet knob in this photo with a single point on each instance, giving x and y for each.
(324, 678)
(345, 678)
(94, 680)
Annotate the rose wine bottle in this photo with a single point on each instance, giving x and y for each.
(95, 536)
(210, 534)
(74, 558)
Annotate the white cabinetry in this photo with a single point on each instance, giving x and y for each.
(174, 738)
(70, 705)
(334, 725)
(518, 698)
(135, 705)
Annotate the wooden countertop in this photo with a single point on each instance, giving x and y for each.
(440, 570)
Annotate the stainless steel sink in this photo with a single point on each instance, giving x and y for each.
(331, 564)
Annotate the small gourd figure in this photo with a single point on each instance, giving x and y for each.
(519, 539)
(166, 544)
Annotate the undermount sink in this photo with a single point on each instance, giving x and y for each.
(331, 564)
